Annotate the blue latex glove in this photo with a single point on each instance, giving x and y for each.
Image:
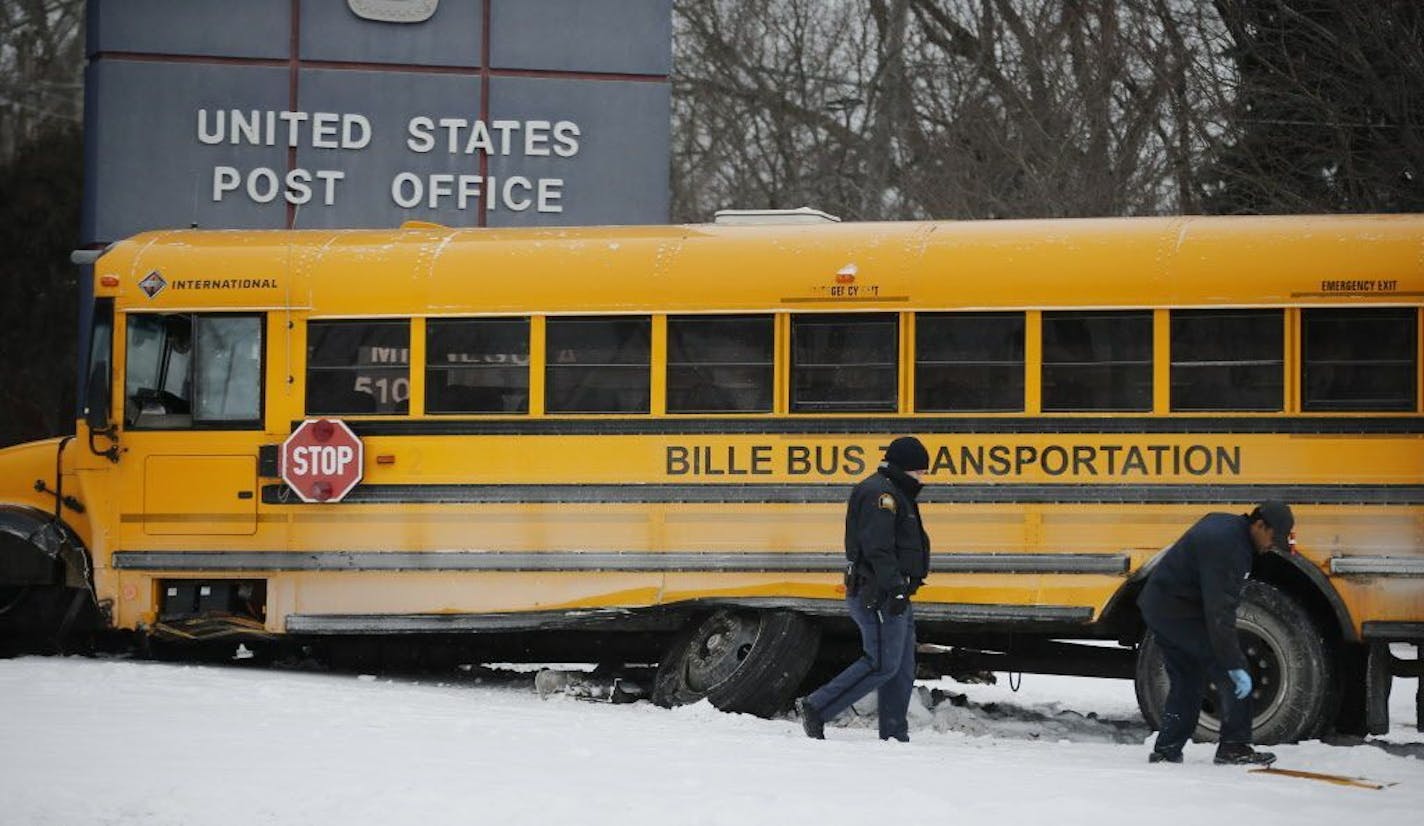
(1242, 680)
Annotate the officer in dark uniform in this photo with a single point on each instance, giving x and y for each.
(888, 555)
(1190, 603)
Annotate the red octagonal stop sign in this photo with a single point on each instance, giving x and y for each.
(322, 460)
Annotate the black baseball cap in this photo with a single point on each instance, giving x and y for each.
(1278, 517)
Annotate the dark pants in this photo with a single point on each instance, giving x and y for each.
(1186, 651)
(888, 668)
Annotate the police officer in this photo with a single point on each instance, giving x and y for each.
(888, 555)
(1190, 603)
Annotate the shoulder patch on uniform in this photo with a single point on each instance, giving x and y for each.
(887, 502)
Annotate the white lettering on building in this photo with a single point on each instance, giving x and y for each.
(324, 133)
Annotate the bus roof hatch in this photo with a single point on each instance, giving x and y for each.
(800, 215)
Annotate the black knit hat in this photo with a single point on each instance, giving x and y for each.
(908, 453)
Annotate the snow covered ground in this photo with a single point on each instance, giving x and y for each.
(118, 741)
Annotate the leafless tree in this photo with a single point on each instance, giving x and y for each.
(946, 108)
(1327, 111)
(39, 220)
(1008, 108)
(41, 68)
(766, 104)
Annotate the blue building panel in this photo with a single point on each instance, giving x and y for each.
(406, 144)
(618, 171)
(146, 166)
(254, 29)
(620, 37)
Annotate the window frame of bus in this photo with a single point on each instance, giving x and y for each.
(97, 406)
(401, 407)
(555, 326)
(1311, 317)
(1260, 326)
(799, 365)
(191, 420)
(435, 327)
(1143, 365)
(763, 371)
(987, 364)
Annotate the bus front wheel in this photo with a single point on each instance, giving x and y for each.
(1290, 670)
(741, 660)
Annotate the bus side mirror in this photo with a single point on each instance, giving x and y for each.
(96, 399)
(96, 413)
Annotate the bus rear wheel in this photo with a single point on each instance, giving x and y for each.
(1290, 670)
(742, 661)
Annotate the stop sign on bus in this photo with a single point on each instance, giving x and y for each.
(322, 460)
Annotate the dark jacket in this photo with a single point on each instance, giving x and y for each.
(885, 539)
(1196, 586)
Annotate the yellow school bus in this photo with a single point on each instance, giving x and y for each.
(633, 444)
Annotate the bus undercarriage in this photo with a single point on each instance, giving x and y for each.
(749, 655)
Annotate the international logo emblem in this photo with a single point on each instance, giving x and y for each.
(152, 284)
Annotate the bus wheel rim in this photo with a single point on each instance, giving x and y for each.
(720, 646)
(1268, 679)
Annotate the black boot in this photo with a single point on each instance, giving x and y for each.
(1241, 754)
(1163, 757)
(811, 721)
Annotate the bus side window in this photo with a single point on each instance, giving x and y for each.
(969, 362)
(477, 365)
(228, 385)
(1228, 360)
(1097, 360)
(845, 363)
(719, 364)
(599, 364)
(1360, 359)
(356, 367)
(158, 372)
(186, 370)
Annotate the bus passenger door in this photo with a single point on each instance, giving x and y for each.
(192, 421)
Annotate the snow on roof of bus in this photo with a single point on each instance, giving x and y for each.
(1080, 263)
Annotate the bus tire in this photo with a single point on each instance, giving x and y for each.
(1290, 669)
(740, 660)
(47, 620)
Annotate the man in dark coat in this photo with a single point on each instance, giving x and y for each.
(1190, 603)
(888, 554)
